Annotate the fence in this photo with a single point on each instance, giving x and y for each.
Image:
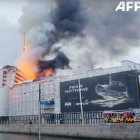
(65, 118)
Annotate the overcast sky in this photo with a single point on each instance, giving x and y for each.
(10, 39)
(11, 42)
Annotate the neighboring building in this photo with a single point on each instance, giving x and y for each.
(7, 75)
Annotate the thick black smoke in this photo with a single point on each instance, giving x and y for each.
(69, 22)
(68, 18)
(46, 26)
(60, 61)
(87, 29)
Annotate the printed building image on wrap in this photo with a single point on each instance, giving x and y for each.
(116, 91)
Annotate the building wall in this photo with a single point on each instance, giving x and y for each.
(7, 76)
(117, 91)
(47, 93)
(24, 99)
(11, 77)
(4, 101)
(121, 131)
(1, 77)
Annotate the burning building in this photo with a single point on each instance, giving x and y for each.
(46, 49)
(115, 88)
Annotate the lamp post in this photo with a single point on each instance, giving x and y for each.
(81, 104)
(39, 113)
(137, 83)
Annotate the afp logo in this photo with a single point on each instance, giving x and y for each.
(128, 6)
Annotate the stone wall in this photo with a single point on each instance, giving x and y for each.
(108, 131)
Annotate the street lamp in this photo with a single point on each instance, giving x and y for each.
(137, 83)
(81, 104)
(39, 112)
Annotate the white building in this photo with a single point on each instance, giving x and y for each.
(23, 98)
(4, 101)
(7, 75)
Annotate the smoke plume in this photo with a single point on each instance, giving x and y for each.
(45, 24)
(60, 61)
(83, 32)
(68, 18)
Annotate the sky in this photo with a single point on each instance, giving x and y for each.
(11, 41)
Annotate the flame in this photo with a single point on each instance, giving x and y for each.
(48, 72)
(17, 81)
(28, 68)
(28, 65)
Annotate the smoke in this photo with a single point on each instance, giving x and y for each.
(115, 33)
(60, 61)
(109, 36)
(45, 24)
(69, 18)
(84, 32)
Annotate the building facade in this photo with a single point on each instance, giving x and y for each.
(113, 88)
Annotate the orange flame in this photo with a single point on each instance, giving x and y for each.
(48, 72)
(29, 65)
(28, 68)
